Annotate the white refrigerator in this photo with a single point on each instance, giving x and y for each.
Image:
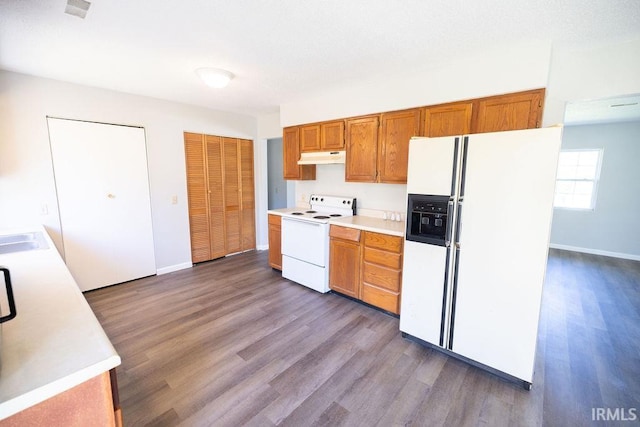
(475, 254)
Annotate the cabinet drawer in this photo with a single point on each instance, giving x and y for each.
(381, 298)
(383, 241)
(381, 276)
(274, 219)
(345, 233)
(381, 257)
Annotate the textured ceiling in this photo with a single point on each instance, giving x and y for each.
(280, 50)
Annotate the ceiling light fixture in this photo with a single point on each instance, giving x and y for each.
(77, 8)
(215, 77)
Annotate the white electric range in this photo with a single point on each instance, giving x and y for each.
(305, 239)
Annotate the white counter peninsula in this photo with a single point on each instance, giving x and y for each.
(57, 366)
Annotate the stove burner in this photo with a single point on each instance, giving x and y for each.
(297, 213)
(311, 211)
(321, 217)
(334, 215)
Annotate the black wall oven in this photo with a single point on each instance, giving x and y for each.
(429, 219)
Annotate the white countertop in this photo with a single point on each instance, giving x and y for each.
(369, 223)
(55, 342)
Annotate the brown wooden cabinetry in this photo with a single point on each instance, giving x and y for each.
(522, 110)
(94, 402)
(362, 149)
(378, 146)
(382, 271)
(291, 155)
(332, 135)
(220, 189)
(310, 138)
(344, 260)
(397, 128)
(275, 241)
(367, 266)
(326, 136)
(447, 119)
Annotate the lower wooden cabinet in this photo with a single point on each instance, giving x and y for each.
(382, 271)
(94, 402)
(367, 266)
(275, 241)
(344, 260)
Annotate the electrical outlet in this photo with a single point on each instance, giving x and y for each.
(174, 200)
(44, 209)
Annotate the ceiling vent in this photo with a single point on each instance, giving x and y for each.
(77, 8)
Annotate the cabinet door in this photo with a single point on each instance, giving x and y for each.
(248, 195)
(310, 138)
(232, 199)
(516, 111)
(291, 155)
(275, 242)
(332, 136)
(215, 195)
(447, 120)
(362, 149)
(197, 194)
(344, 267)
(397, 129)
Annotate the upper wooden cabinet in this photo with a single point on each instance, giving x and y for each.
(397, 128)
(447, 119)
(522, 110)
(291, 155)
(332, 135)
(362, 149)
(326, 136)
(378, 146)
(310, 138)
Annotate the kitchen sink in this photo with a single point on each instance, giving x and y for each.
(20, 242)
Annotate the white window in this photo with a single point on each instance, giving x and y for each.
(577, 179)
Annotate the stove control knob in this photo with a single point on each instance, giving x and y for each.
(322, 200)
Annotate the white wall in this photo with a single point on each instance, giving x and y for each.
(26, 174)
(584, 73)
(612, 228)
(268, 127)
(504, 69)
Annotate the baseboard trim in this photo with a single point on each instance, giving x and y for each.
(262, 247)
(172, 268)
(595, 252)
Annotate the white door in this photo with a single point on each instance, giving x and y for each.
(431, 166)
(423, 289)
(504, 235)
(103, 196)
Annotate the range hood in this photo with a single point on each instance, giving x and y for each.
(322, 157)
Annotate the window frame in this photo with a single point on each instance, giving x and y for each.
(595, 180)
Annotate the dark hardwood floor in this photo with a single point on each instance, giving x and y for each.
(232, 343)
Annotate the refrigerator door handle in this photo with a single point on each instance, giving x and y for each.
(458, 224)
(448, 231)
(463, 175)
